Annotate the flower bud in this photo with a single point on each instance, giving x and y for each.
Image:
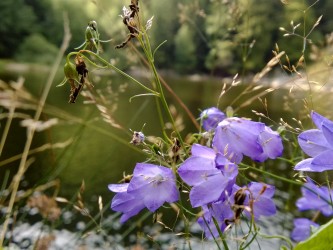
(70, 71)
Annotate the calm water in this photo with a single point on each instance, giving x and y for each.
(97, 158)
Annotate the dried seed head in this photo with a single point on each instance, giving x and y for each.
(138, 138)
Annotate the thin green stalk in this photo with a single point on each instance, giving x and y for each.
(149, 55)
(169, 89)
(158, 105)
(160, 116)
(250, 242)
(224, 242)
(272, 175)
(207, 225)
(31, 131)
(186, 224)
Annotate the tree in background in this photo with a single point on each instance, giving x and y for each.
(296, 15)
(216, 36)
(17, 22)
(238, 30)
(164, 28)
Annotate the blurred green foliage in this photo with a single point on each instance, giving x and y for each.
(35, 48)
(217, 36)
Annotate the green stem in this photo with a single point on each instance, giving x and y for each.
(272, 175)
(207, 225)
(147, 49)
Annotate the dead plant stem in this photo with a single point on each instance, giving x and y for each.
(31, 131)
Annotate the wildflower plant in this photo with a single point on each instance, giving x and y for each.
(202, 178)
(207, 170)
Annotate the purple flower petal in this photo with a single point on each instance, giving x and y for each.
(229, 169)
(166, 192)
(235, 137)
(313, 142)
(196, 170)
(315, 198)
(302, 229)
(154, 185)
(222, 212)
(259, 198)
(127, 204)
(260, 189)
(118, 188)
(327, 128)
(211, 117)
(323, 161)
(318, 119)
(146, 175)
(306, 165)
(202, 151)
(208, 191)
(271, 143)
(263, 206)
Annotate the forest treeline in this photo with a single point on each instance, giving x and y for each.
(219, 36)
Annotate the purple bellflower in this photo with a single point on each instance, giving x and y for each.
(254, 199)
(221, 212)
(259, 199)
(303, 228)
(318, 144)
(211, 117)
(315, 198)
(209, 174)
(235, 137)
(150, 187)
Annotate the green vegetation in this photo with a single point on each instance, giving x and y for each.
(215, 36)
(223, 176)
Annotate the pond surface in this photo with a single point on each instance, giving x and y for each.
(100, 154)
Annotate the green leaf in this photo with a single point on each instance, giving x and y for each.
(321, 239)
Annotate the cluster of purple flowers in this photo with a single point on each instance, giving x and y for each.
(212, 177)
(211, 173)
(318, 144)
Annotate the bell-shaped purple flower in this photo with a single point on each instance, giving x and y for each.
(150, 187)
(315, 198)
(303, 228)
(154, 185)
(317, 143)
(235, 137)
(208, 182)
(211, 117)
